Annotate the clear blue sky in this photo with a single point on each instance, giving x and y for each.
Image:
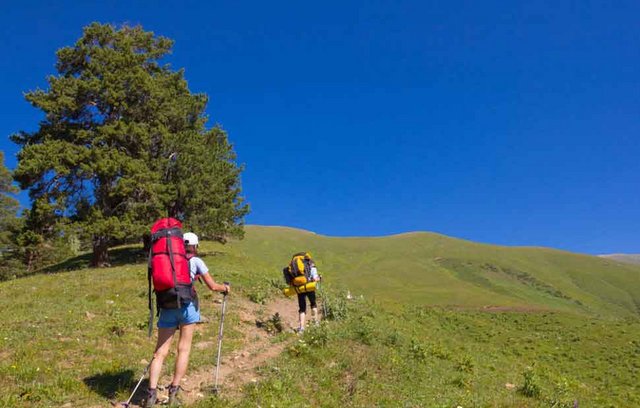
(511, 124)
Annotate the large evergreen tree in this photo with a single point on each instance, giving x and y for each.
(124, 141)
(8, 206)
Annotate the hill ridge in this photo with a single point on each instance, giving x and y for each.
(435, 269)
(427, 233)
(624, 258)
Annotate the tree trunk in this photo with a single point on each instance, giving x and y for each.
(100, 257)
(30, 256)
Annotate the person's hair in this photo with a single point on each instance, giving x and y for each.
(191, 249)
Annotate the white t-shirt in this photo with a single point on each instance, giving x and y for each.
(197, 267)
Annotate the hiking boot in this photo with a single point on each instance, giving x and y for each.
(152, 396)
(173, 395)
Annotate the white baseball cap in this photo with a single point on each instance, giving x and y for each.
(190, 238)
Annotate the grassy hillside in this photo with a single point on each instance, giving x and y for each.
(442, 323)
(626, 258)
(432, 357)
(432, 269)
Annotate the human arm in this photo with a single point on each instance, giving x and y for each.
(213, 285)
(202, 272)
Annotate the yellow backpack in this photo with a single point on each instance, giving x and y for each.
(292, 290)
(299, 270)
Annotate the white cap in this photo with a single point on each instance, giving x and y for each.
(190, 238)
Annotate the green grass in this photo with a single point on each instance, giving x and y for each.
(432, 269)
(419, 337)
(81, 336)
(429, 357)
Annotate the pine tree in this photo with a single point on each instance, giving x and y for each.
(207, 188)
(119, 129)
(8, 206)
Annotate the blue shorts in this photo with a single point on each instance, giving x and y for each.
(173, 318)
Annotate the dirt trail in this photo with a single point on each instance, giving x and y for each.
(238, 367)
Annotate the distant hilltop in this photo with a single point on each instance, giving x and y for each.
(626, 258)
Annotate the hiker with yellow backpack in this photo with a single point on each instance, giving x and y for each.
(302, 276)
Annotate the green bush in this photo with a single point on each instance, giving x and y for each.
(299, 348)
(317, 336)
(393, 339)
(530, 387)
(462, 382)
(364, 330)
(260, 293)
(439, 351)
(273, 325)
(465, 365)
(334, 305)
(417, 351)
(561, 394)
(277, 283)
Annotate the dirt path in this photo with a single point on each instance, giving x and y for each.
(239, 367)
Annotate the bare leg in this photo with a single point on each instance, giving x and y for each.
(162, 349)
(316, 316)
(184, 348)
(302, 318)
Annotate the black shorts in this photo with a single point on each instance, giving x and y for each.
(302, 304)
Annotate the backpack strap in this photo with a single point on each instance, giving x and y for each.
(307, 268)
(173, 265)
(149, 294)
(194, 294)
(166, 233)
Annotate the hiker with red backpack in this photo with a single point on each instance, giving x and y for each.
(173, 268)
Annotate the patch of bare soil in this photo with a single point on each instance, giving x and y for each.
(239, 367)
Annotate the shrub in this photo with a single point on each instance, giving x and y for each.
(317, 336)
(561, 394)
(277, 283)
(439, 351)
(260, 293)
(273, 325)
(462, 382)
(334, 306)
(364, 331)
(393, 339)
(299, 348)
(465, 365)
(418, 351)
(530, 387)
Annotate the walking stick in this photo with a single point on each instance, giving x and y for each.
(144, 373)
(220, 331)
(322, 297)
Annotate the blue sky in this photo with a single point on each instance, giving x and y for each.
(511, 124)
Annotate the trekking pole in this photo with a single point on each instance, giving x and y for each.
(220, 331)
(321, 293)
(144, 373)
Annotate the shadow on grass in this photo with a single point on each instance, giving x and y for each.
(110, 383)
(122, 256)
(117, 257)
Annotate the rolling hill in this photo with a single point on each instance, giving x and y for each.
(441, 322)
(431, 269)
(626, 258)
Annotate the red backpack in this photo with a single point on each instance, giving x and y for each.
(168, 269)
